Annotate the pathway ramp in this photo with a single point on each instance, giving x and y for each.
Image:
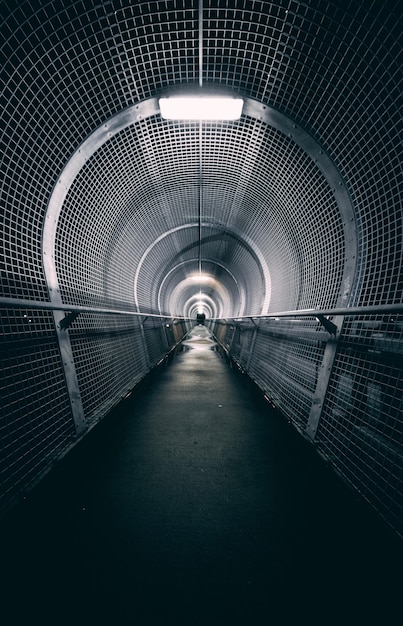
(194, 503)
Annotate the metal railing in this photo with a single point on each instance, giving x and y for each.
(77, 308)
(341, 389)
(379, 309)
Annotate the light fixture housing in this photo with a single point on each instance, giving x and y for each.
(201, 108)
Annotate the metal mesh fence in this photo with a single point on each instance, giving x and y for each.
(35, 414)
(361, 427)
(332, 68)
(285, 361)
(156, 338)
(110, 359)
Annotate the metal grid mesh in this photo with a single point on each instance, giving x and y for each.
(361, 428)
(71, 67)
(337, 70)
(109, 357)
(334, 68)
(218, 251)
(361, 425)
(145, 181)
(35, 414)
(284, 204)
(133, 200)
(156, 339)
(287, 355)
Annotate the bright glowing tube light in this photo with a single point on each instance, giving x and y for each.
(201, 108)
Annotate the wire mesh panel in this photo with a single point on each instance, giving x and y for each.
(241, 343)
(35, 415)
(158, 338)
(179, 329)
(224, 332)
(258, 181)
(138, 200)
(361, 424)
(361, 428)
(110, 359)
(285, 362)
(334, 69)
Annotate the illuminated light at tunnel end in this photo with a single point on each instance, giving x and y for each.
(201, 278)
(201, 303)
(188, 297)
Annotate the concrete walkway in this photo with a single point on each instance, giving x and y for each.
(194, 503)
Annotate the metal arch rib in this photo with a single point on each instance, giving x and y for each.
(98, 138)
(261, 262)
(324, 163)
(195, 261)
(146, 109)
(253, 109)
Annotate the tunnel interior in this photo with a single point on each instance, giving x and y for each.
(119, 227)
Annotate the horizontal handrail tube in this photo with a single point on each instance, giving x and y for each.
(357, 310)
(45, 306)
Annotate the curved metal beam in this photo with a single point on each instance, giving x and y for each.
(196, 261)
(324, 163)
(253, 109)
(243, 239)
(135, 114)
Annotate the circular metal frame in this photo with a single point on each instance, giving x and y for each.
(253, 109)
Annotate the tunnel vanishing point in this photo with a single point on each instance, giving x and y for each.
(283, 226)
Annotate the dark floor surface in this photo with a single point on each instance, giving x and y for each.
(194, 503)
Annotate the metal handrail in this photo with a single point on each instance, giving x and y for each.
(357, 310)
(76, 308)
(379, 309)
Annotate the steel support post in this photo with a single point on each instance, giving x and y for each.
(70, 373)
(146, 352)
(322, 382)
(231, 341)
(61, 326)
(252, 346)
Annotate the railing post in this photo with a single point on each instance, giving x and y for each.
(62, 333)
(70, 374)
(252, 345)
(231, 341)
(143, 336)
(323, 379)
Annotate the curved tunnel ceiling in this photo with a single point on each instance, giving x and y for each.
(147, 183)
(283, 209)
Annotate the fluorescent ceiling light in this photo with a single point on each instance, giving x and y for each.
(201, 108)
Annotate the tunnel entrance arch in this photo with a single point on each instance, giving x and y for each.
(219, 233)
(147, 110)
(252, 109)
(193, 262)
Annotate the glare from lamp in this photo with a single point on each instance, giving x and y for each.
(201, 108)
(200, 278)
